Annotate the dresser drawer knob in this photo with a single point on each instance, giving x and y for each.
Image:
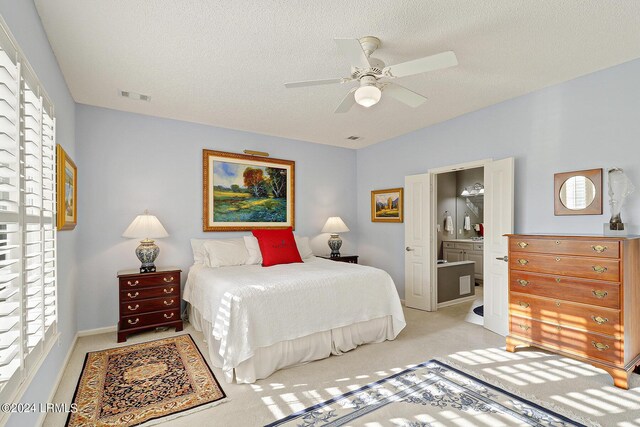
(557, 242)
(525, 327)
(133, 322)
(168, 302)
(599, 248)
(523, 244)
(557, 259)
(133, 308)
(557, 303)
(558, 279)
(599, 346)
(599, 320)
(167, 291)
(599, 269)
(523, 261)
(523, 282)
(134, 295)
(132, 284)
(600, 294)
(168, 280)
(558, 328)
(523, 304)
(168, 316)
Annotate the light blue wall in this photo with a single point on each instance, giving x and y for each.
(589, 122)
(132, 162)
(24, 23)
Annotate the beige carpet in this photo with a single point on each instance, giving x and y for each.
(577, 387)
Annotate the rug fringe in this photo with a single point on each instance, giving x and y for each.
(532, 398)
(183, 413)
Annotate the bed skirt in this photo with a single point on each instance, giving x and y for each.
(283, 354)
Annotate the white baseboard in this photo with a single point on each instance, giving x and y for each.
(97, 331)
(457, 301)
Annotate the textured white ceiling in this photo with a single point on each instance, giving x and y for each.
(224, 63)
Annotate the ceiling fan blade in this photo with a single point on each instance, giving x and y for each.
(347, 102)
(315, 82)
(422, 65)
(352, 49)
(404, 95)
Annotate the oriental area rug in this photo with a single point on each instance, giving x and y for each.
(431, 394)
(143, 384)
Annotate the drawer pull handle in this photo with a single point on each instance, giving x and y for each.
(133, 308)
(168, 316)
(168, 291)
(525, 327)
(599, 320)
(168, 302)
(523, 304)
(600, 294)
(599, 248)
(132, 284)
(134, 295)
(523, 282)
(169, 280)
(599, 346)
(523, 261)
(133, 322)
(599, 269)
(523, 244)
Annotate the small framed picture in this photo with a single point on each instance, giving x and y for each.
(67, 182)
(387, 205)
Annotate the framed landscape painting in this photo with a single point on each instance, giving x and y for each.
(67, 183)
(387, 205)
(242, 192)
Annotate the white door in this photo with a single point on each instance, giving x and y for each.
(498, 221)
(418, 292)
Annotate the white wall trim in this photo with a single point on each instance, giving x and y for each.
(457, 301)
(97, 331)
(460, 166)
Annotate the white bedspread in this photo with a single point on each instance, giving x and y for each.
(251, 306)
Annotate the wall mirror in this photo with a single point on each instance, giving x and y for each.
(578, 192)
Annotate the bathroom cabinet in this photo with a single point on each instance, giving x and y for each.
(465, 251)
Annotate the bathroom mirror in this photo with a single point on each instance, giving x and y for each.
(578, 193)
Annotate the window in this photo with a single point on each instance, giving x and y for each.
(28, 295)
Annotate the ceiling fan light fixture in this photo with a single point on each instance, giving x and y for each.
(367, 95)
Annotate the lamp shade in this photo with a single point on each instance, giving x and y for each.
(145, 226)
(335, 224)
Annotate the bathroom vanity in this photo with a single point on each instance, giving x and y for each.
(465, 250)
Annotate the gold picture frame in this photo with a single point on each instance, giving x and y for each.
(387, 205)
(67, 190)
(242, 192)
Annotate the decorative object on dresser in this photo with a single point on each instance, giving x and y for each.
(351, 259)
(335, 225)
(578, 192)
(148, 301)
(620, 187)
(387, 205)
(243, 192)
(146, 227)
(67, 185)
(578, 296)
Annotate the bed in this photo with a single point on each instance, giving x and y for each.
(257, 320)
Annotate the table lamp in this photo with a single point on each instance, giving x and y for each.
(146, 227)
(335, 225)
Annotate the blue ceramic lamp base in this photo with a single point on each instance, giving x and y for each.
(335, 242)
(147, 252)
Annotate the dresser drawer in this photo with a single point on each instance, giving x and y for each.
(557, 312)
(579, 343)
(590, 248)
(144, 293)
(147, 305)
(149, 319)
(603, 294)
(590, 268)
(151, 279)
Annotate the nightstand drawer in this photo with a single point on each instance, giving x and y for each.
(145, 306)
(144, 293)
(149, 319)
(149, 279)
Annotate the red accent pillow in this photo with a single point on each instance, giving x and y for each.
(277, 247)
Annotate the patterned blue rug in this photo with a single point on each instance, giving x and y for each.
(428, 395)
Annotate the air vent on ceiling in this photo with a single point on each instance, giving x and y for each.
(354, 138)
(134, 96)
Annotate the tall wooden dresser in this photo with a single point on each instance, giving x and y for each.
(578, 296)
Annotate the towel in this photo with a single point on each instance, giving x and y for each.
(448, 224)
(467, 223)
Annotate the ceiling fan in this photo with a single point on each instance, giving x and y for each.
(373, 75)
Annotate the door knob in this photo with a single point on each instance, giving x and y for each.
(408, 249)
(503, 258)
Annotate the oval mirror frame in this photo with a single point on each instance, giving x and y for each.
(578, 192)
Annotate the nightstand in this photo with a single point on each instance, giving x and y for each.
(148, 300)
(351, 259)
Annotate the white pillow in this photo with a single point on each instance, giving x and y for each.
(303, 247)
(226, 252)
(253, 248)
(199, 254)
